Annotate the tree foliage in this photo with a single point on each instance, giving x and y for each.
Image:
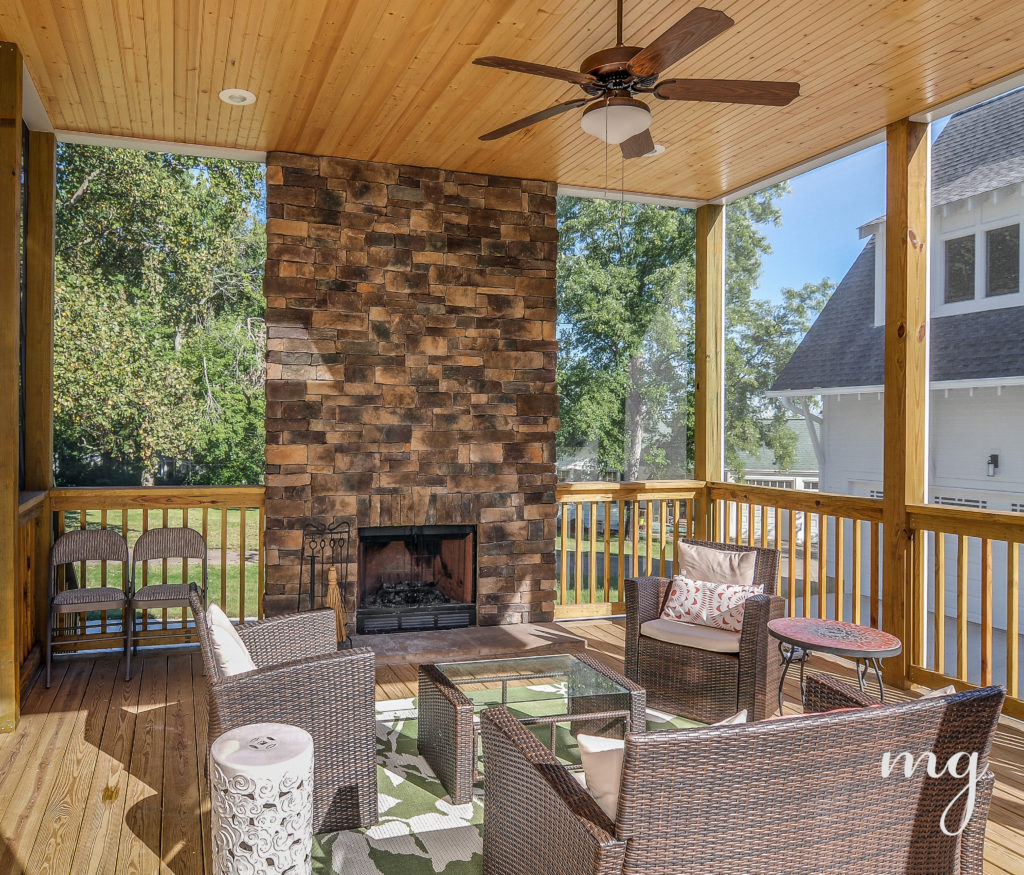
(626, 335)
(159, 343)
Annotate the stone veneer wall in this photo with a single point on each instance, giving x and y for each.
(411, 366)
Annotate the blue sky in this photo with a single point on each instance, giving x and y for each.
(818, 236)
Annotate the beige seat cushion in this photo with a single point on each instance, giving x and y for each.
(602, 765)
(692, 635)
(229, 651)
(718, 566)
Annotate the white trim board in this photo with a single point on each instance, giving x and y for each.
(33, 113)
(980, 383)
(635, 197)
(86, 139)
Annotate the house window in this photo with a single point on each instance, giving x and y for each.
(1002, 261)
(960, 269)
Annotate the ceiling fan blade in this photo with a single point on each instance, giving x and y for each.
(536, 69)
(729, 91)
(690, 32)
(638, 145)
(512, 127)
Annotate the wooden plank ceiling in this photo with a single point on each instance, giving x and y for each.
(391, 80)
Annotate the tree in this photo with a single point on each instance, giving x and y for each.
(626, 334)
(159, 289)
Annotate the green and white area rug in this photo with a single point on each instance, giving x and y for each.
(420, 832)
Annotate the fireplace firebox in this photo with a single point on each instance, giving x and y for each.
(412, 578)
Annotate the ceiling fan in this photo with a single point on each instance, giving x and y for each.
(611, 79)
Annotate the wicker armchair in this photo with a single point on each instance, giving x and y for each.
(702, 684)
(801, 795)
(303, 679)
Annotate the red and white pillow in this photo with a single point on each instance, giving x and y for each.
(707, 603)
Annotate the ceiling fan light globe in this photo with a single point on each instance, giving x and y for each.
(616, 120)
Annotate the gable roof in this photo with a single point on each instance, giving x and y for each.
(980, 149)
(804, 458)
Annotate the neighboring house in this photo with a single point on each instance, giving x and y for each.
(761, 469)
(976, 340)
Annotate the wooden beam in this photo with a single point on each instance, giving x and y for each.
(906, 375)
(10, 340)
(710, 331)
(39, 254)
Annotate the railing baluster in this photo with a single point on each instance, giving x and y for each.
(241, 563)
(163, 564)
(939, 580)
(578, 567)
(563, 572)
(792, 563)
(858, 546)
(840, 583)
(807, 564)
(661, 536)
(605, 579)
(622, 550)
(103, 573)
(875, 578)
(649, 540)
(223, 558)
(986, 612)
(918, 599)
(592, 557)
(961, 608)
(634, 518)
(822, 565)
(184, 568)
(260, 551)
(1012, 618)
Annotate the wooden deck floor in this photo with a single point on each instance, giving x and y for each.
(105, 776)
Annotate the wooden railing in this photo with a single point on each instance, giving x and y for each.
(231, 519)
(31, 508)
(607, 532)
(829, 544)
(966, 602)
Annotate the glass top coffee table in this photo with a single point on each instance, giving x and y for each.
(538, 690)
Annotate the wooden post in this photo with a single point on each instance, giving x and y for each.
(10, 365)
(906, 375)
(710, 350)
(42, 190)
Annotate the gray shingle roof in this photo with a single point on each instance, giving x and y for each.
(981, 148)
(804, 458)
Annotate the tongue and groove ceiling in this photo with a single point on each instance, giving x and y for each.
(393, 81)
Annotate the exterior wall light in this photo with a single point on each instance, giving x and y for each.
(993, 465)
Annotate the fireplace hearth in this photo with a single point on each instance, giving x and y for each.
(412, 578)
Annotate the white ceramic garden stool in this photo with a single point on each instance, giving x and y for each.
(261, 793)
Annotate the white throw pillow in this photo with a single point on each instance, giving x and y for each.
(721, 566)
(707, 603)
(602, 765)
(229, 651)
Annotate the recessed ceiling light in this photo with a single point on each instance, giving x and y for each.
(657, 150)
(237, 96)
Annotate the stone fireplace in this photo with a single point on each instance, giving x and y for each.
(411, 368)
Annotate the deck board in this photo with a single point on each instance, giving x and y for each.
(105, 776)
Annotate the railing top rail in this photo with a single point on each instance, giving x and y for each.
(30, 505)
(98, 498)
(829, 503)
(997, 525)
(608, 490)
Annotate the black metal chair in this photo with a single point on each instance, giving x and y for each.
(169, 543)
(84, 545)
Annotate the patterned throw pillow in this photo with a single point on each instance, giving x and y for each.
(723, 604)
(684, 601)
(707, 603)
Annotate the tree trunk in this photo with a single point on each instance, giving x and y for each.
(634, 420)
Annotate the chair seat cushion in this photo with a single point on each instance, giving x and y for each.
(163, 592)
(692, 635)
(91, 595)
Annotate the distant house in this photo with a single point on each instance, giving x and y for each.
(761, 469)
(976, 453)
(976, 338)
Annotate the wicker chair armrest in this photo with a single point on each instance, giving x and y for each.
(295, 636)
(759, 664)
(643, 597)
(824, 693)
(290, 692)
(538, 818)
(972, 840)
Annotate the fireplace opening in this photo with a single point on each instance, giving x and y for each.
(412, 578)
